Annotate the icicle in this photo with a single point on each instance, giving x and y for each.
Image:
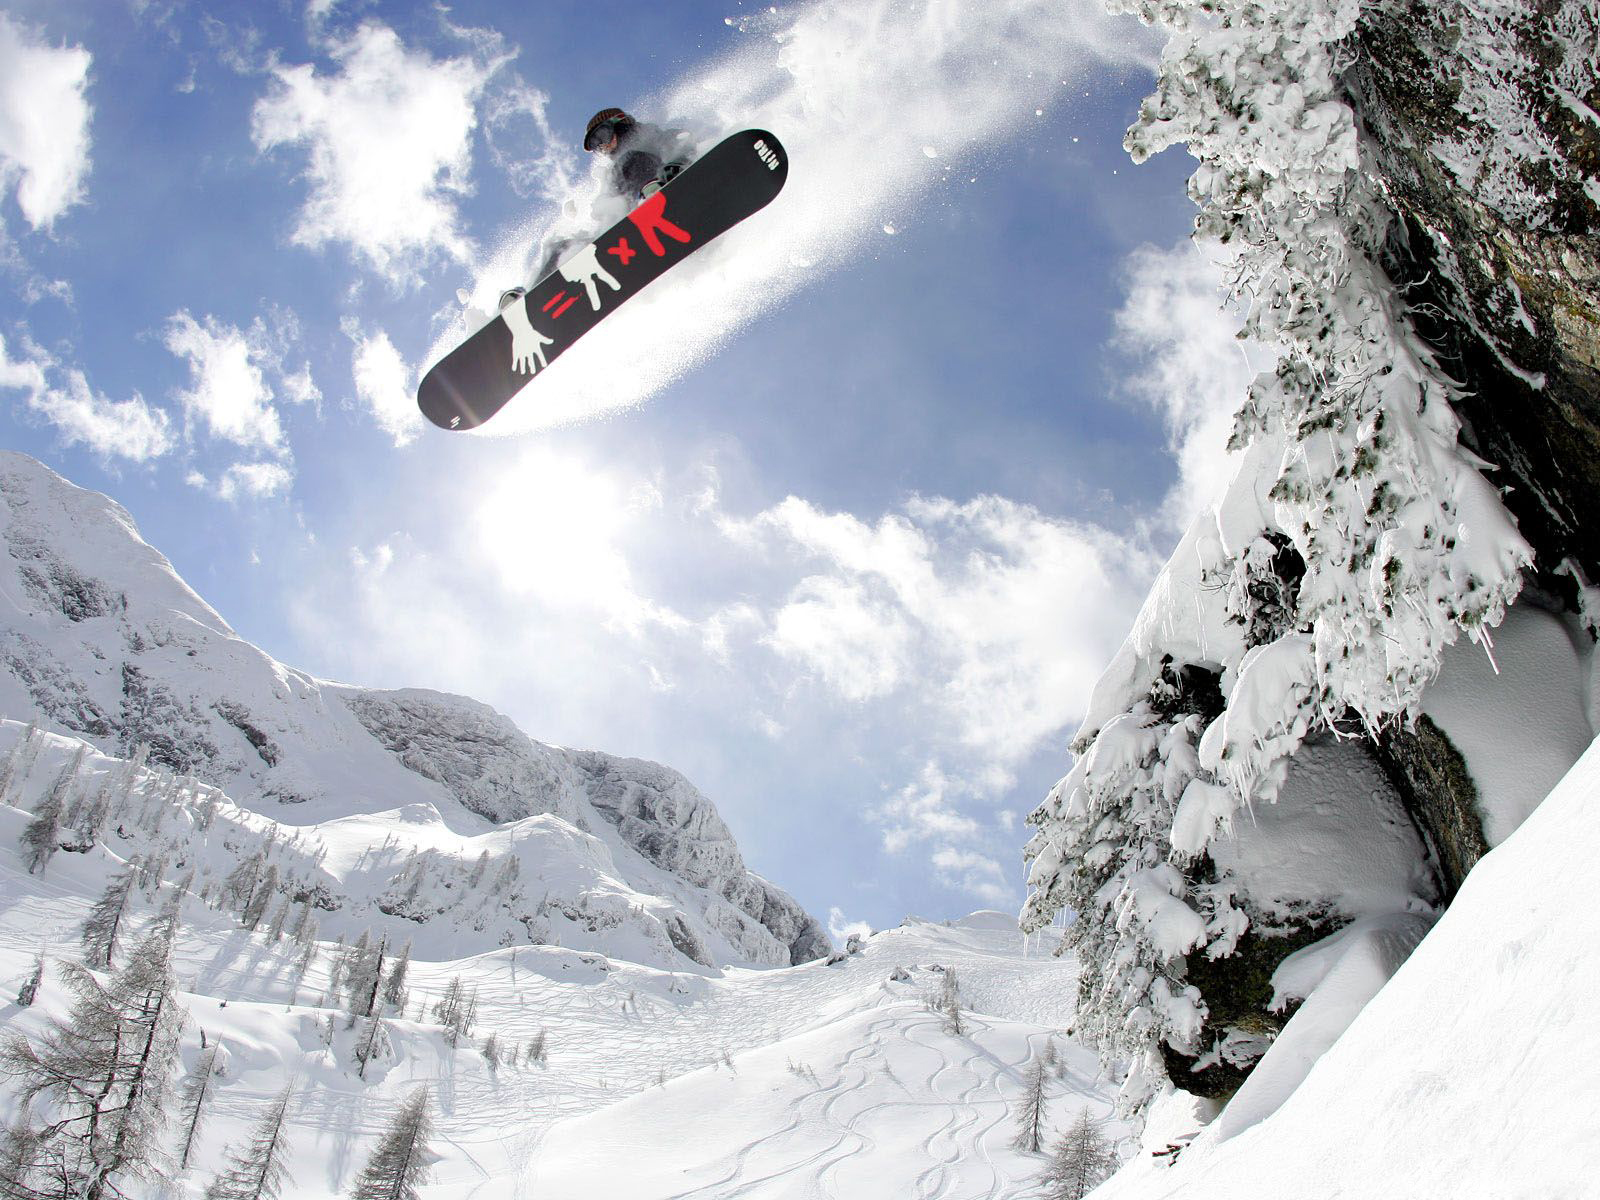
(1487, 643)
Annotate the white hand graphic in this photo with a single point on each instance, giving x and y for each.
(585, 268)
(527, 343)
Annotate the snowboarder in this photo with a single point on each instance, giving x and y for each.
(731, 181)
(644, 158)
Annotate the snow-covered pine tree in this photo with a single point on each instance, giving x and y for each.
(505, 875)
(240, 885)
(948, 1004)
(280, 918)
(354, 961)
(172, 907)
(105, 1072)
(19, 762)
(537, 1049)
(394, 984)
(258, 1171)
(192, 1099)
(88, 816)
(449, 1008)
(30, 986)
(400, 1164)
(366, 973)
(41, 836)
(256, 907)
(373, 1041)
(1082, 1160)
(132, 771)
(303, 922)
(1362, 541)
(1031, 1112)
(23, 1165)
(303, 963)
(103, 924)
(491, 1050)
(336, 964)
(205, 811)
(478, 869)
(152, 872)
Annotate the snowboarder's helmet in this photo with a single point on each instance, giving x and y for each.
(603, 125)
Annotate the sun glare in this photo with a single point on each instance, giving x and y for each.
(549, 527)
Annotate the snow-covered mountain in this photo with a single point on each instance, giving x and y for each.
(100, 639)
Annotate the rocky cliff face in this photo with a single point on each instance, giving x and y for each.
(1485, 127)
(1485, 122)
(100, 639)
(662, 816)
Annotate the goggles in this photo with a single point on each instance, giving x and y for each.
(600, 135)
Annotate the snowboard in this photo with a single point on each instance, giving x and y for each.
(735, 178)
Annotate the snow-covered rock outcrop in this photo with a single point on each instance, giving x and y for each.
(1458, 1078)
(1363, 542)
(100, 639)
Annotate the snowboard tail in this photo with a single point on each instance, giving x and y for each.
(735, 178)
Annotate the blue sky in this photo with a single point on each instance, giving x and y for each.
(846, 526)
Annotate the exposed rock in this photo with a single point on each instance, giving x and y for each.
(1433, 781)
(664, 817)
(477, 755)
(1485, 130)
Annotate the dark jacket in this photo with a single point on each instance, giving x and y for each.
(643, 154)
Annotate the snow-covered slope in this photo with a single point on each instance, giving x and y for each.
(866, 1095)
(818, 1076)
(1467, 1074)
(101, 639)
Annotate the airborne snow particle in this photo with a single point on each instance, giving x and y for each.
(890, 230)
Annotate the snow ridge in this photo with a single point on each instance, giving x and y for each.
(100, 639)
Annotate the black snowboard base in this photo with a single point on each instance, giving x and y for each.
(735, 178)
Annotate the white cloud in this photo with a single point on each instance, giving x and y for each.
(389, 142)
(841, 928)
(1190, 366)
(1002, 615)
(858, 646)
(383, 384)
(318, 11)
(524, 147)
(924, 810)
(301, 388)
(130, 429)
(976, 874)
(256, 480)
(44, 122)
(229, 391)
(25, 375)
